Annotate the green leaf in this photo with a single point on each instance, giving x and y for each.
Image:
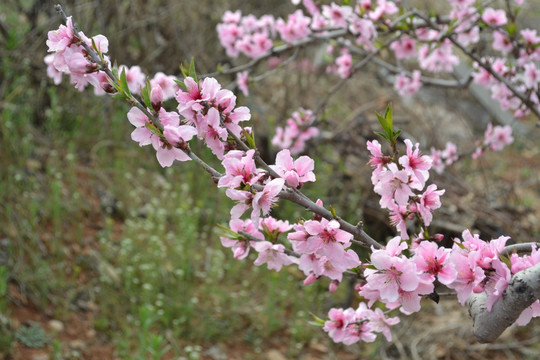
(224, 231)
(181, 84)
(124, 84)
(333, 211)
(192, 71)
(120, 95)
(506, 260)
(511, 28)
(250, 138)
(115, 85)
(115, 82)
(153, 129)
(388, 114)
(145, 93)
(94, 45)
(387, 123)
(382, 120)
(189, 70)
(316, 320)
(381, 135)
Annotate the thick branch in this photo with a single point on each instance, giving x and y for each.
(519, 248)
(522, 291)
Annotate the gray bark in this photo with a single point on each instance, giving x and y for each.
(522, 291)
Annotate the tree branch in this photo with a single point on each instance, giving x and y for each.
(521, 96)
(519, 248)
(522, 291)
(278, 50)
(309, 205)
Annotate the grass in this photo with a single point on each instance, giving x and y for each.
(148, 236)
(89, 215)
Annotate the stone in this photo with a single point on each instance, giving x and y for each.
(56, 326)
(275, 355)
(77, 344)
(41, 356)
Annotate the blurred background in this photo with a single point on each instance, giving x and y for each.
(106, 255)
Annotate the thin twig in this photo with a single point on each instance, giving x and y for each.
(463, 83)
(278, 50)
(94, 57)
(356, 67)
(527, 102)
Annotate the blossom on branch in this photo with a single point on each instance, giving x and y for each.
(294, 172)
(273, 255)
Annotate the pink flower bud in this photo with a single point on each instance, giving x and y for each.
(317, 217)
(156, 97)
(438, 237)
(333, 286)
(310, 279)
(365, 4)
(478, 289)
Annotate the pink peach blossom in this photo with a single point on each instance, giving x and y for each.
(263, 200)
(295, 172)
(272, 255)
(494, 17)
(242, 82)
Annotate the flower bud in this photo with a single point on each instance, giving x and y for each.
(108, 88)
(478, 289)
(438, 237)
(318, 217)
(156, 97)
(333, 286)
(91, 68)
(310, 279)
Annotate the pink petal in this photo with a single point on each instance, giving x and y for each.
(238, 210)
(313, 227)
(142, 136)
(165, 157)
(284, 160)
(136, 117)
(304, 164)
